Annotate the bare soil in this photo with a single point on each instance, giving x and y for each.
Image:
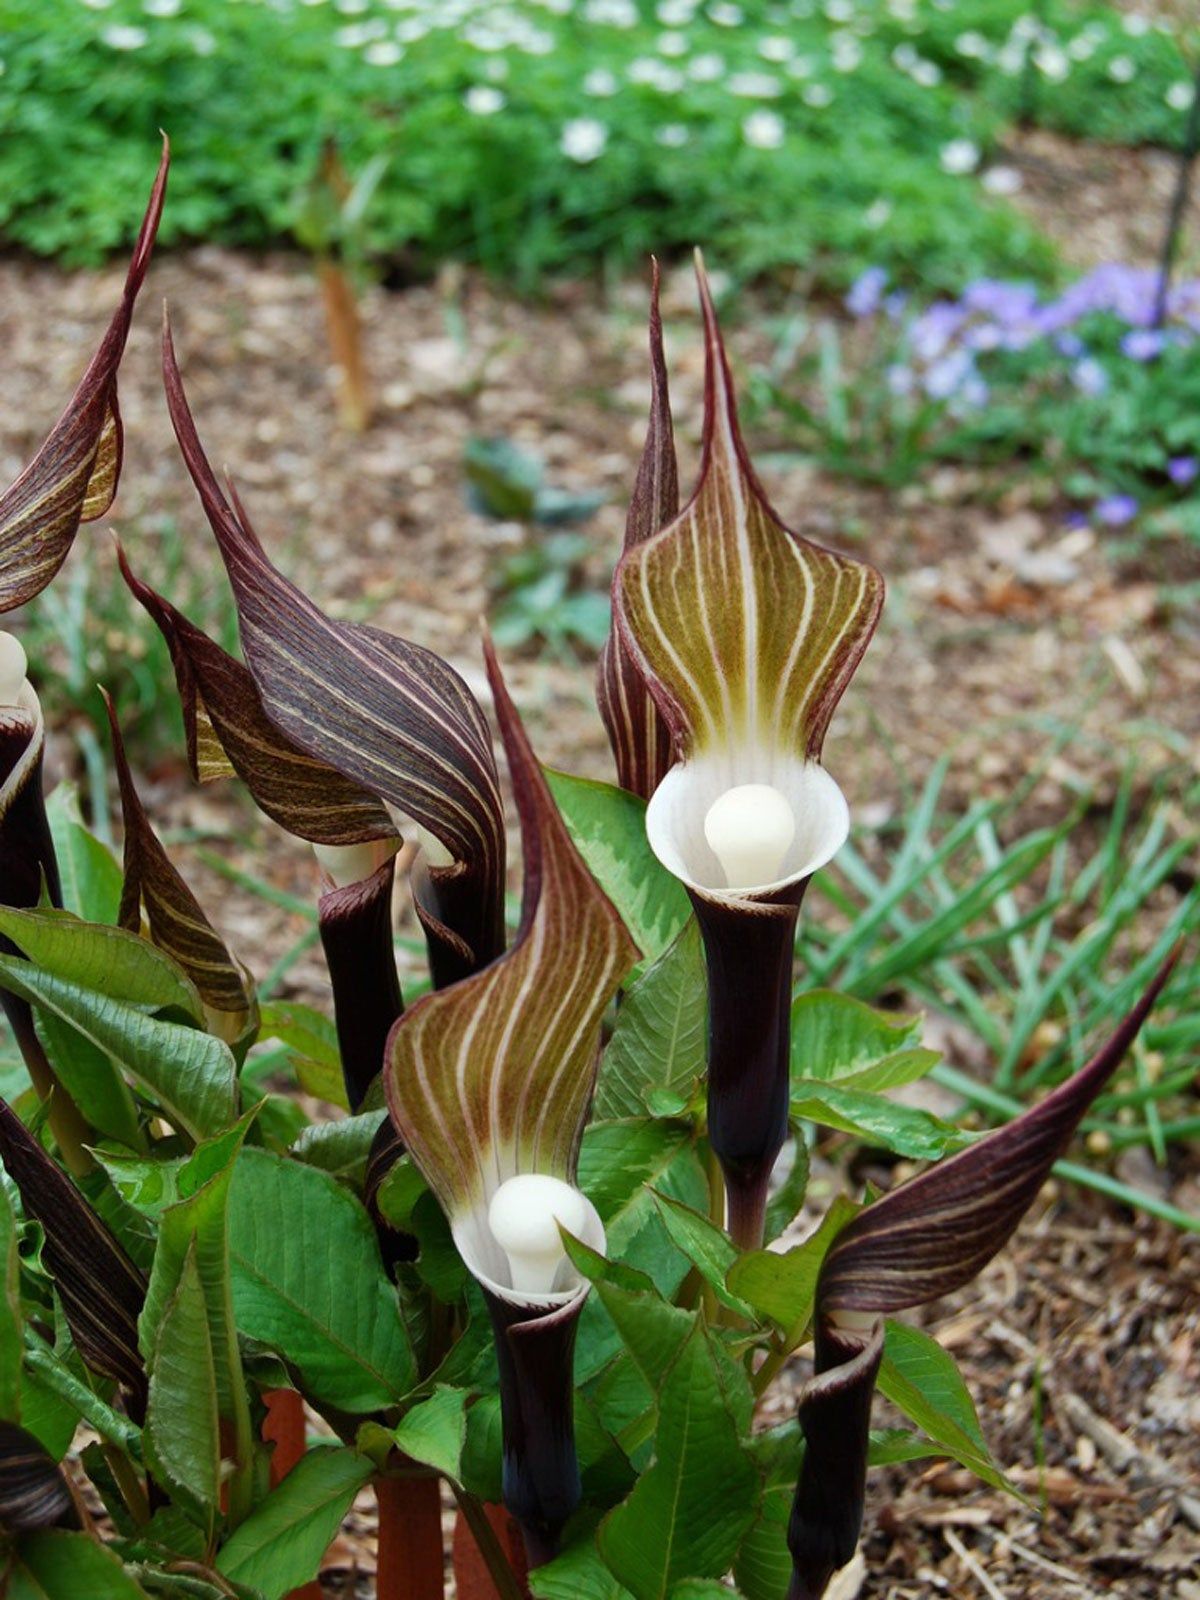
(1082, 1341)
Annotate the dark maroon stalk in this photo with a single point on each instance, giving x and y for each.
(535, 1353)
(356, 934)
(748, 949)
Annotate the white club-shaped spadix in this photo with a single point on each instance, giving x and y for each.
(524, 1216)
(351, 863)
(13, 667)
(745, 821)
(750, 829)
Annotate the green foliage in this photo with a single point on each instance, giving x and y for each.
(279, 1547)
(563, 137)
(541, 597)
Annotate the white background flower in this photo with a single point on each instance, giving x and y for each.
(764, 130)
(959, 156)
(583, 139)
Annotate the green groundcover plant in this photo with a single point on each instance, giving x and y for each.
(537, 135)
(519, 1262)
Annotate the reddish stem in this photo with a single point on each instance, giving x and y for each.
(470, 1569)
(411, 1561)
(284, 1428)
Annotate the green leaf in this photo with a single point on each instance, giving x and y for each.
(88, 871)
(92, 955)
(658, 1049)
(90, 1078)
(482, 1452)
(651, 1330)
(308, 1283)
(708, 1248)
(578, 1573)
(182, 1434)
(686, 1517)
(434, 1431)
(149, 1186)
(189, 1075)
(312, 1038)
(703, 1589)
(280, 1545)
(834, 1037)
(56, 1565)
(608, 826)
(922, 1379)
(340, 1148)
(47, 1415)
(906, 1130)
(196, 1228)
(783, 1286)
(11, 1339)
(784, 1205)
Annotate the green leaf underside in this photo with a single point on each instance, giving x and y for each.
(921, 1378)
(68, 1566)
(495, 1073)
(658, 1047)
(189, 1075)
(73, 477)
(308, 1283)
(182, 1434)
(280, 1545)
(110, 960)
(687, 1515)
(90, 1078)
(701, 603)
(907, 1130)
(608, 828)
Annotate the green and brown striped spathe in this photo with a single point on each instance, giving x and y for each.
(228, 731)
(494, 1075)
(177, 924)
(33, 1490)
(640, 739)
(935, 1233)
(74, 475)
(101, 1290)
(925, 1239)
(745, 633)
(389, 715)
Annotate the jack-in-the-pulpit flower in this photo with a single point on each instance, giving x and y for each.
(746, 635)
(390, 716)
(73, 477)
(925, 1239)
(640, 738)
(489, 1083)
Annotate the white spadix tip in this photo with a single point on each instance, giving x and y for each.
(750, 830)
(13, 668)
(351, 863)
(524, 1216)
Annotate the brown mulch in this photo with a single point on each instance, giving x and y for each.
(1082, 1342)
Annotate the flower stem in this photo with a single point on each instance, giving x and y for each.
(507, 1585)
